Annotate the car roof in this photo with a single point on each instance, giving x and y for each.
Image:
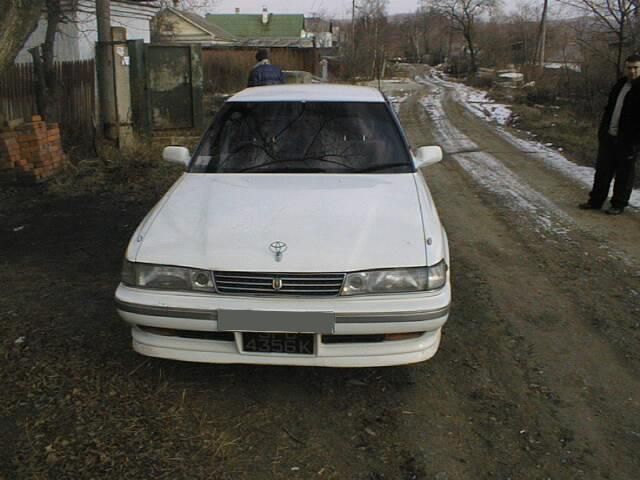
(313, 92)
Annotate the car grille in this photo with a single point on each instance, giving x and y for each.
(254, 283)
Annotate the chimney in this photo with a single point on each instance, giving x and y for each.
(265, 16)
(237, 10)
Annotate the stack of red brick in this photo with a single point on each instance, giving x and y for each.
(30, 152)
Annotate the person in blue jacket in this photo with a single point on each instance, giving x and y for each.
(263, 72)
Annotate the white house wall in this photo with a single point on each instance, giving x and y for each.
(66, 44)
(76, 40)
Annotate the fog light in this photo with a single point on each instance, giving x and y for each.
(201, 280)
(165, 332)
(401, 336)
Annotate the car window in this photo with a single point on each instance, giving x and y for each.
(303, 137)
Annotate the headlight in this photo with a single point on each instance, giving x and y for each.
(396, 280)
(165, 277)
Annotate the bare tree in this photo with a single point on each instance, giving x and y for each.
(190, 5)
(425, 33)
(500, 42)
(525, 25)
(18, 19)
(373, 21)
(463, 15)
(55, 14)
(613, 17)
(368, 29)
(414, 33)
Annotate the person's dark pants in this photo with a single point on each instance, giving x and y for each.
(614, 160)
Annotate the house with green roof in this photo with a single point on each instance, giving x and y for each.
(264, 29)
(239, 30)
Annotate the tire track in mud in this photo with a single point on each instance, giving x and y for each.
(530, 174)
(493, 175)
(545, 363)
(541, 198)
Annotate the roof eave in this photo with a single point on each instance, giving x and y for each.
(203, 28)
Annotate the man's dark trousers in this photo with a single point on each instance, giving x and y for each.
(614, 160)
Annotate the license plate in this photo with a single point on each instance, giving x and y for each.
(276, 321)
(291, 343)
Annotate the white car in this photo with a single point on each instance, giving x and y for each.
(301, 233)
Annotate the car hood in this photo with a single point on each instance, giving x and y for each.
(330, 223)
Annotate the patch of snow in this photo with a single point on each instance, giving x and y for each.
(476, 101)
(557, 66)
(494, 176)
(557, 161)
(479, 103)
(512, 75)
(396, 101)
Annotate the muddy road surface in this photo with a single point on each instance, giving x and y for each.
(537, 376)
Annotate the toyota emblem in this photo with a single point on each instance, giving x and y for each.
(278, 248)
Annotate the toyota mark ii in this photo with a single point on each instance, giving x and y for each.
(302, 232)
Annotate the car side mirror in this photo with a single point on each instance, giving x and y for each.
(426, 156)
(177, 155)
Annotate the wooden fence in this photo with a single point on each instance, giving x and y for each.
(73, 103)
(17, 92)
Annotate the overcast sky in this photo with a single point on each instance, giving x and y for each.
(328, 8)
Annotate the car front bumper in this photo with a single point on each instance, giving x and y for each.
(153, 315)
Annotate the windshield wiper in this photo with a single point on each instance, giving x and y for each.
(300, 168)
(293, 169)
(297, 170)
(376, 168)
(324, 158)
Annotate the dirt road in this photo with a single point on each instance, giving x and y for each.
(537, 375)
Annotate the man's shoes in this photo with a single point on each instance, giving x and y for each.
(588, 206)
(614, 211)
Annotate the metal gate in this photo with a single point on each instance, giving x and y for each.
(169, 79)
(169, 82)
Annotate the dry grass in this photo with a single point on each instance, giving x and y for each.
(553, 122)
(137, 173)
(559, 126)
(79, 421)
(77, 402)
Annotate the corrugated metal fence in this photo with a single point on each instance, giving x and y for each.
(73, 104)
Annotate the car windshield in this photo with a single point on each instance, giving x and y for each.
(303, 137)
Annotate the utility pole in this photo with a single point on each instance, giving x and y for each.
(353, 34)
(104, 69)
(542, 36)
(103, 17)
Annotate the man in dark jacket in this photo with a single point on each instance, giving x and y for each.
(263, 73)
(618, 142)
